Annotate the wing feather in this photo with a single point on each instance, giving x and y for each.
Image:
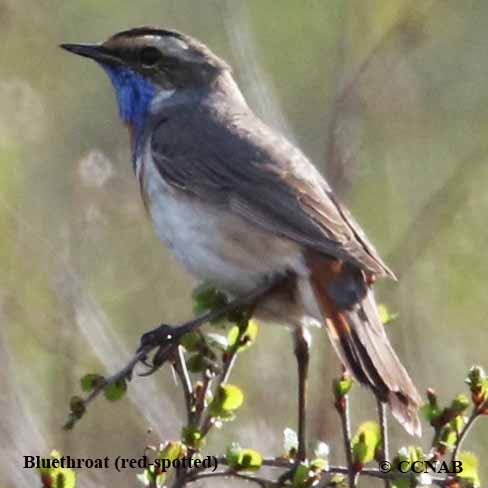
(236, 161)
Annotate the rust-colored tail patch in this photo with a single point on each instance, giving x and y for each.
(346, 301)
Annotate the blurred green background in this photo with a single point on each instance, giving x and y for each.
(387, 97)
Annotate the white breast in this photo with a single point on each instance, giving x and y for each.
(211, 243)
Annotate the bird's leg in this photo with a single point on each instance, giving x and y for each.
(301, 339)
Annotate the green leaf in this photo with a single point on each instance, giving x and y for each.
(365, 442)
(448, 437)
(386, 316)
(115, 391)
(458, 423)
(470, 471)
(429, 412)
(342, 386)
(232, 454)
(207, 297)
(246, 338)
(232, 397)
(57, 477)
(172, 450)
(227, 399)
(192, 437)
(192, 341)
(77, 410)
(77, 406)
(198, 363)
(91, 381)
(302, 476)
(64, 478)
(460, 404)
(151, 478)
(476, 377)
(243, 459)
(406, 455)
(249, 460)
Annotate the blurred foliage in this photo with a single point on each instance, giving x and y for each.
(387, 97)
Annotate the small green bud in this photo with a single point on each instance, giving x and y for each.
(460, 404)
(476, 377)
(116, 390)
(243, 459)
(342, 385)
(366, 442)
(90, 382)
(227, 399)
(192, 437)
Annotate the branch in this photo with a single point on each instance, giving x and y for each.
(182, 372)
(280, 463)
(232, 474)
(342, 406)
(384, 433)
(229, 361)
(166, 340)
(475, 414)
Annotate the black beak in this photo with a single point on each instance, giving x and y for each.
(92, 51)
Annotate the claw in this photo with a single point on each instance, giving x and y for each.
(162, 355)
(146, 363)
(163, 333)
(166, 339)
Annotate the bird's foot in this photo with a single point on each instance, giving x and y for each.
(166, 338)
(162, 335)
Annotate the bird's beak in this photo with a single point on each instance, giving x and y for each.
(93, 51)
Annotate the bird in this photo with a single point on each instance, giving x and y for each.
(237, 204)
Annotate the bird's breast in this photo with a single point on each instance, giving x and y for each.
(212, 243)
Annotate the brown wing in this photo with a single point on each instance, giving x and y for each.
(236, 161)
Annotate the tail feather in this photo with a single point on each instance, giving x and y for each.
(347, 303)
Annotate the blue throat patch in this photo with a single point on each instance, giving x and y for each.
(134, 95)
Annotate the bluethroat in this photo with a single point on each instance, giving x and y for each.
(237, 203)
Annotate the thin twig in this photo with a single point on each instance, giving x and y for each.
(232, 474)
(284, 464)
(124, 374)
(464, 432)
(384, 433)
(202, 395)
(229, 361)
(182, 372)
(176, 332)
(229, 364)
(224, 376)
(343, 410)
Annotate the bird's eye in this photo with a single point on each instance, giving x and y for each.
(149, 57)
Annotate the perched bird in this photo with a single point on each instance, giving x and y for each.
(237, 203)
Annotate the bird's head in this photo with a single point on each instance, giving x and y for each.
(148, 65)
